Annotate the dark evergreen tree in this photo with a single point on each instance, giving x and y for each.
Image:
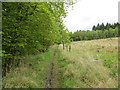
(98, 32)
(94, 27)
(98, 27)
(102, 27)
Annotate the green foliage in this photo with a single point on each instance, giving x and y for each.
(31, 73)
(30, 27)
(94, 34)
(103, 27)
(110, 61)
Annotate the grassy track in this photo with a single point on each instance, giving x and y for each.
(90, 64)
(31, 74)
(53, 76)
(34, 72)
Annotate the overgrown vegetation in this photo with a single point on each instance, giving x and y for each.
(90, 64)
(31, 73)
(30, 28)
(31, 32)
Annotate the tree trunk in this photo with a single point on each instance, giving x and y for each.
(63, 45)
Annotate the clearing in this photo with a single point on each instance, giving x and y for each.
(89, 64)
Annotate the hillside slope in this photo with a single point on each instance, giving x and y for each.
(91, 64)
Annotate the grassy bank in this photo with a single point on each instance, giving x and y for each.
(31, 73)
(90, 64)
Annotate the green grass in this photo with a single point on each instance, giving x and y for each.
(110, 60)
(31, 74)
(90, 64)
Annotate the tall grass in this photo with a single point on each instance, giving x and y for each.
(87, 65)
(31, 73)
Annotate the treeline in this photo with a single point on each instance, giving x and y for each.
(30, 28)
(98, 33)
(104, 27)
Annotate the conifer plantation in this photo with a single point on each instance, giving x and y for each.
(98, 32)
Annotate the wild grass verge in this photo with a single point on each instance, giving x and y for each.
(90, 64)
(31, 73)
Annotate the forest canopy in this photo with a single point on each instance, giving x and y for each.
(31, 27)
(98, 32)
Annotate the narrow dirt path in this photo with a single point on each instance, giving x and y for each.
(51, 71)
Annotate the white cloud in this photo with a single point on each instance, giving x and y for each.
(87, 13)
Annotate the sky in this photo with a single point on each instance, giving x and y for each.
(87, 13)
